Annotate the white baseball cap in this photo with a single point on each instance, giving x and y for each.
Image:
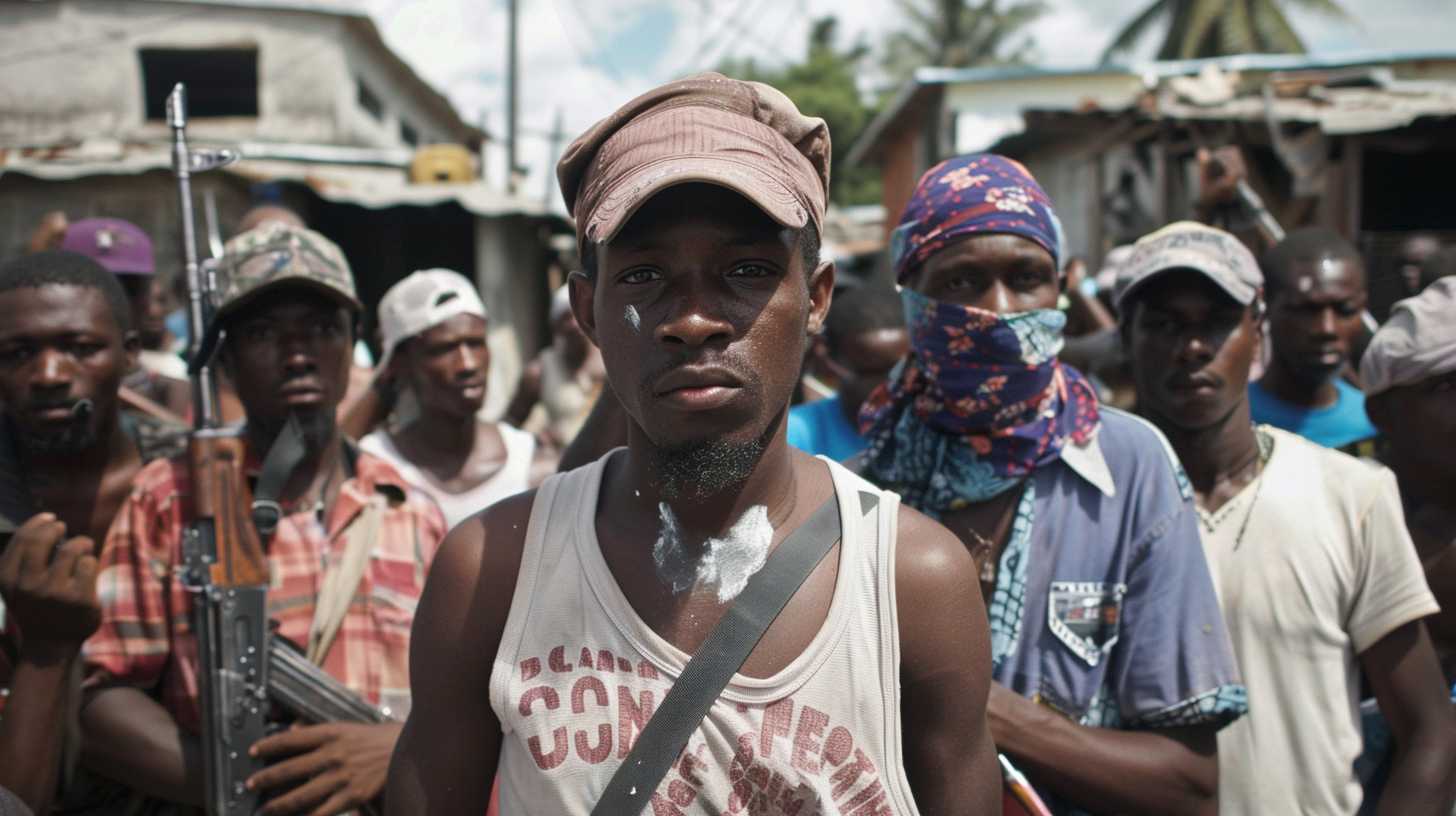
(423, 301)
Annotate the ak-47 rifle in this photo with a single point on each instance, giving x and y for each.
(243, 669)
(223, 555)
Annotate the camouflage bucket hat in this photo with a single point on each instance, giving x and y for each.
(272, 255)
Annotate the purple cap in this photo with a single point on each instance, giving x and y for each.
(118, 245)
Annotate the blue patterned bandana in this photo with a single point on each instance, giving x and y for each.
(980, 403)
(968, 195)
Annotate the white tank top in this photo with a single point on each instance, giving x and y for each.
(513, 477)
(578, 674)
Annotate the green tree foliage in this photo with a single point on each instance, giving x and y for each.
(1211, 28)
(824, 85)
(960, 34)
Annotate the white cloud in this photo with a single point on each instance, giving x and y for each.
(586, 57)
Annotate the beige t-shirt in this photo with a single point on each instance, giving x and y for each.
(1323, 570)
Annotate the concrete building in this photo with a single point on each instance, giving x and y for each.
(328, 120)
(1362, 143)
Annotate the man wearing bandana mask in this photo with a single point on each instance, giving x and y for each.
(1113, 668)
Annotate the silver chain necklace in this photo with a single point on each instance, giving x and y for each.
(1266, 449)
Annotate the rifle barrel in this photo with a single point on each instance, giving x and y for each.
(204, 388)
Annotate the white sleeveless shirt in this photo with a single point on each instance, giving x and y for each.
(578, 674)
(513, 477)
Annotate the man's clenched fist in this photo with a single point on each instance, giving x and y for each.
(48, 583)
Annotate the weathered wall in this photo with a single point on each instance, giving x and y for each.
(72, 72)
(900, 168)
(510, 274)
(1069, 181)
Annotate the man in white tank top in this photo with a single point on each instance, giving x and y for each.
(560, 386)
(433, 324)
(557, 621)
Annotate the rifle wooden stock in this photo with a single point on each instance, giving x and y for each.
(220, 493)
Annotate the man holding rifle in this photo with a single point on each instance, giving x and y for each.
(350, 529)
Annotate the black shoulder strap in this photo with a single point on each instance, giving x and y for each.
(287, 451)
(722, 654)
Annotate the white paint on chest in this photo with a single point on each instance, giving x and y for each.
(724, 564)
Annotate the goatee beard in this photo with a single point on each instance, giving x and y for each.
(701, 470)
(76, 438)
(317, 427)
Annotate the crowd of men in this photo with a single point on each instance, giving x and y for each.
(1236, 597)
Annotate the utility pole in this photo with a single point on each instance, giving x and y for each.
(485, 143)
(556, 136)
(512, 85)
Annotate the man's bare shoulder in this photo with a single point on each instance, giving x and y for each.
(930, 558)
(488, 546)
(938, 601)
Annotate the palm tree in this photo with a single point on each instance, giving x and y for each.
(960, 34)
(1210, 28)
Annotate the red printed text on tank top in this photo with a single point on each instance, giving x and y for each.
(790, 760)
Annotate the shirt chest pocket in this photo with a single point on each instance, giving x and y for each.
(1086, 617)
(1083, 622)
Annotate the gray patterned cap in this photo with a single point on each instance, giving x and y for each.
(1187, 245)
(271, 255)
(1417, 342)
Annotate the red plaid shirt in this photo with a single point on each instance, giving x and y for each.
(146, 638)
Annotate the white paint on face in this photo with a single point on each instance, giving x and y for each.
(633, 319)
(724, 564)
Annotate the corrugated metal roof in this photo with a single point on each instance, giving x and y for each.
(1336, 110)
(1153, 70)
(1339, 111)
(372, 184)
(1361, 101)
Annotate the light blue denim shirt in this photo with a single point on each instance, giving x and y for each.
(1104, 608)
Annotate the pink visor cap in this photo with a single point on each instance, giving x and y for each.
(745, 136)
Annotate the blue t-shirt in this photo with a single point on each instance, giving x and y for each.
(1342, 426)
(819, 429)
(176, 322)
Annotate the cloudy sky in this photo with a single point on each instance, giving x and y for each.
(582, 58)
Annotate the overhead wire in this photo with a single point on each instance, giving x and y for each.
(706, 58)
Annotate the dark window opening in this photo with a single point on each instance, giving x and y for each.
(410, 136)
(368, 101)
(220, 81)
